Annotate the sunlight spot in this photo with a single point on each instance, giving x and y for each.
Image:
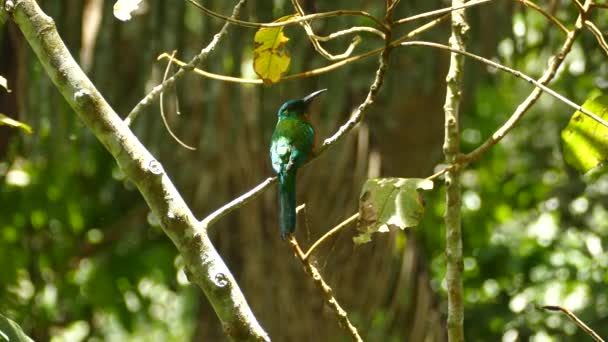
(544, 229)
(519, 302)
(594, 245)
(510, 336)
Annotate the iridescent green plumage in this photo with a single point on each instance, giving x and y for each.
(291, 145)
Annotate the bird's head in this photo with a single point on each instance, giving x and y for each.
(298, 107)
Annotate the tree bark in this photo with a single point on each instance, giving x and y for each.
(451, 149)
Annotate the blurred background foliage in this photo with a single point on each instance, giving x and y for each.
(83, 259)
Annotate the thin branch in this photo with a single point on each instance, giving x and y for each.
(545, 14)
(440, 11)
(236, 203)
(354, 29)
(581, 8)
(576, 320)
(516, 73)
(162, 108)
(314, 72)
(598, 35)
(522, 109)
(441, 172)
(326, 290)
(155, 92)
(315, 42)
(289, 22)
(330, 233)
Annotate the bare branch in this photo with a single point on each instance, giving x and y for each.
(521, 110)
(598, 35)
(326, 290)
(545, 14)
(237, 202)
(297, 20)
(576, 320)
(314, 72)
(516, 73)
(162, 108)
(330, 233)
(155, 92)
(440, 11)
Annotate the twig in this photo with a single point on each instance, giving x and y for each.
(354, 29)
(581, 8)
(545, 14)
(522, 109)
(516, 73)
(441, 172)
(162, 108)
(236, 203)
(598, 35)
(331, 232)
(315, 41)
(440, 11)
(314, 72)
(155, 92)
(289, 22)
(330, 300)
(359, 113)
(576, 320)
(453, 192)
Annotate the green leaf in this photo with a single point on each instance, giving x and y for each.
(4, 84)
(5, 120)
(390, 203)
(270, 58)
(584, 140)
(11, 331)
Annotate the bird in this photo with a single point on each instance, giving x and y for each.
(291, 145)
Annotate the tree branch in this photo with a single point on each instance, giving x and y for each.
(205, 266)
(296, 20)
(554, 64)
(451, 150)
(330, 300)
(156, 91)
(576, 320)
(516, 73)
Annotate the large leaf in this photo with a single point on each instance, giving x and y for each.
(390, 203)
(7, 121)
(270, 58)
(11, 331)
(584, 140)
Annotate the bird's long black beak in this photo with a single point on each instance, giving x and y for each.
(308, 99)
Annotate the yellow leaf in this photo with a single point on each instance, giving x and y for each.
(270, 58)
(5, 120)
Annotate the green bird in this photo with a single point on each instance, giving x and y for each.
(291, 146)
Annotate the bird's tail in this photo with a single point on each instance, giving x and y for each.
(287, 203)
